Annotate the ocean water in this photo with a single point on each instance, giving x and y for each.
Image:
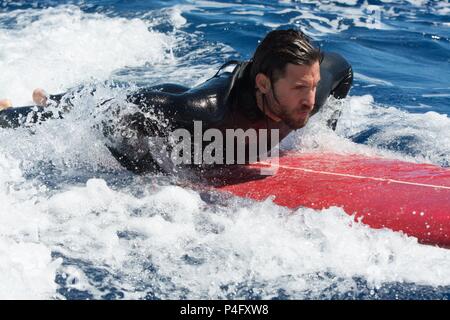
(75, 225)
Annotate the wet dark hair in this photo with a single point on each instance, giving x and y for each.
(279, 48)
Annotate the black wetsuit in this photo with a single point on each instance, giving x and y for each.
(226, 101)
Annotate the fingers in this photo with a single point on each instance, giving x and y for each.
(5, 104)
(40, 97)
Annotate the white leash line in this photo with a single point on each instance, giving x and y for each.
(357, 177)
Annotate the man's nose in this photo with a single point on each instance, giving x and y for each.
(310, 99)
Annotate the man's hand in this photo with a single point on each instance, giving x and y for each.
(5, 104)
(40, 97)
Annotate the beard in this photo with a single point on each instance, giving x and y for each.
(295, 122)
(295, 119)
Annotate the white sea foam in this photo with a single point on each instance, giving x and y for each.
(27, 270)
(57, 48)
(250, 13)
(392, 129)
(203, 248)
(371, 80)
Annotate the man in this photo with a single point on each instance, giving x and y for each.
(285, 82)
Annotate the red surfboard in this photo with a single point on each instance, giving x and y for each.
(383, 193)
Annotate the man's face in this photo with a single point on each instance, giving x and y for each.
(293, 96)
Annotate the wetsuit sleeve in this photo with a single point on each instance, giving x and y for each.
(19, 116)
(16, 117)
(206, 103)
(336, 78)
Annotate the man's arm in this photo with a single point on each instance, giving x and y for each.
(16, 117)
(182, 106)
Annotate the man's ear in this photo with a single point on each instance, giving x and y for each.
(262, 83)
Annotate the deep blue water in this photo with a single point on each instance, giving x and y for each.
(411, 51)
(400, 53)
